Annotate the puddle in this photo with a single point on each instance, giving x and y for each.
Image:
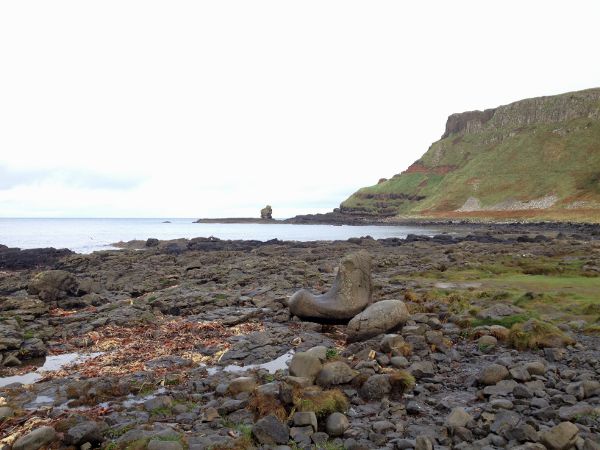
(449, 285)
(132, 400)
(51, 364)
(271, 366)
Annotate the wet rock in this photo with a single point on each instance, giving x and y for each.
(379, 318)
(492, 374)
(269, 431)
(36, 439)
(560, 437)
(333, 373)
(336, 424)
(53, 285)
(350, 293)
(305, 365)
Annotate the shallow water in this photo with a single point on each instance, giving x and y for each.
(51, 364)
(271, 366)
(88, 235)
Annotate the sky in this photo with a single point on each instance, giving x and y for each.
(217, 108)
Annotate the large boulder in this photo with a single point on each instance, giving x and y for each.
(379, 318)
(53, 285)
(36, 439)
(350, 293)
(266, 212)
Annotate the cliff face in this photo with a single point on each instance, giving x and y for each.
(538, 157)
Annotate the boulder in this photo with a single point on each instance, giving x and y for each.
(305, 365)
(88, 431)
(336, 424)
(458, 418)
(53, 285)
(38, 438)
(379, 318)
(241, 384)
(493, 373)
(270, 431)
(266, 212)
(560, 437)
(350, 293)
(337, 372)
(376, 387)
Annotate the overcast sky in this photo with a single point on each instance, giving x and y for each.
(207, 109)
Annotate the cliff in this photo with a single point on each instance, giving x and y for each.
(534, 158)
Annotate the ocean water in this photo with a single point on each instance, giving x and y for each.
(88, 235)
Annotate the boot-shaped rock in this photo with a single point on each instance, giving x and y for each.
(350, 293)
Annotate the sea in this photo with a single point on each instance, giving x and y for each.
(89, 235)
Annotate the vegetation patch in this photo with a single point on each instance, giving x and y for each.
(535, 334)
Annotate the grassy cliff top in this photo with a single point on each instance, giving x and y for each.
(533, 159)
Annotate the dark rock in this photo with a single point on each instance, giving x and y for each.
(350, 293)
(269, 431)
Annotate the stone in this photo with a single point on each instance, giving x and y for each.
(487, 343)
(301, 419)
(5, 412)
(266, 213)
(458, 418)
(422, 369)
(503, 387)
(423, 443)
(492, 374)
(350, 293)
(520, 373)
(305, 365)
(36, 439)
(536, 368)
(522, 433)
(399, 362)
(333, 373)
(320, 351)
(241, 384)
(572, 412)
(376, 387)
(391, 342)
(162, 401)
(591, 388)
(336, 424)
(379, 318)
(560, 437)
(505, 420)
(269, 431)
(81, 433)
(53, 285)
(156, 444)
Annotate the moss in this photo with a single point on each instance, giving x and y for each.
(592, 329)
(331, 353)
(322, 403)
(537, 334)
(507, 321)
(402, 382)
(164, 411)
(263, 405)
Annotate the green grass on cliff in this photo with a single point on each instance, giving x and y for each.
(496, 165)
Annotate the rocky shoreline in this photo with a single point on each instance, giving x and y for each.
(195, 344)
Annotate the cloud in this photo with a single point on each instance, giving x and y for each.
(77, 178)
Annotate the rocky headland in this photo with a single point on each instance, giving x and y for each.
(483, 338)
